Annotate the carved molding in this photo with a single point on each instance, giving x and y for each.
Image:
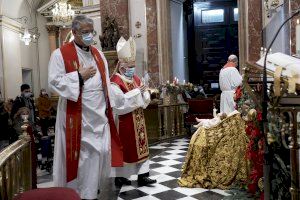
(52, 29)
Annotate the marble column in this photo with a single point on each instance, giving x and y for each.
(294, 5)
(254, 29)
(164, 40)
(152, 46)
(243, 33)
(53, 33)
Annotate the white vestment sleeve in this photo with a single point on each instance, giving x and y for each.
(64, 84)
(146, 98)
(236, 78)
(128, 102)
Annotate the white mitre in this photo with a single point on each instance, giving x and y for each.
(126, 50)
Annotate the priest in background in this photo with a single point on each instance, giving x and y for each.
(229, 80)
(85, 129)
(131, 98)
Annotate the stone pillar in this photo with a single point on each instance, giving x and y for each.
(164, 40)
(243, 33)
(53, 33)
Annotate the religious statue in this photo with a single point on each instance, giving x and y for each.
(111, 34)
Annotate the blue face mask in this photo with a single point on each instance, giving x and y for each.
(88, 39)
(129, 72)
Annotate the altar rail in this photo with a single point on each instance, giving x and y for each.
(15, 169)
(171, 120)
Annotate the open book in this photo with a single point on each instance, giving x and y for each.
(290, 65)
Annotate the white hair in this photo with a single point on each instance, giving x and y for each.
(81, 19)
(233, 58)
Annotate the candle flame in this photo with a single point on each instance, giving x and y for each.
(298, 21)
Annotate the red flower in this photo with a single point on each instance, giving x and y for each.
(255, 133)
(262, 196)
(259, 116)
(252, 188)
(238, 93)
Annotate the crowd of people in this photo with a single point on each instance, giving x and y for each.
(13, 112)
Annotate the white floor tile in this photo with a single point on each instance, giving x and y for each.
(165, 170)
(162, 178)
(172, 156)
(182, 143)
(222, 192)
(164, 143)
(154, 189)
(178, 147)
(176, 151)
(169, 162)
(147, 198)
(157, 147)
(126, 188)
(189, 191)
(187, 198)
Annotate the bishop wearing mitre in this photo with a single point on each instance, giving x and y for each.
(128, 88)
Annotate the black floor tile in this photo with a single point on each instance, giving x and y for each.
(179, 166)
(168, 195)
(180, 159)
(155, 165)
(208, 195)
(132, 194)
(170, 184)
(158, 159)
(175, 174)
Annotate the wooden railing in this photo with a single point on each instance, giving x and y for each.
(15, 167)
(171, 120)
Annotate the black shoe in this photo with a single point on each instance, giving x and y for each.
(144, 181)
(119, 181)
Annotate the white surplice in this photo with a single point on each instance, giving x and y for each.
(126, 103)
(229, 80)
(95, 158)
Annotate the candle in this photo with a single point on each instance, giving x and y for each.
(168, 81)
(183, 81)
(298, 37)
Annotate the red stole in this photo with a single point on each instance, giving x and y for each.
(74, 115)
(132, 128)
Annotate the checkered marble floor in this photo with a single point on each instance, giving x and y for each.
(166, 169)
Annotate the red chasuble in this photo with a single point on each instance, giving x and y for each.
(74, 115)
(132, 128)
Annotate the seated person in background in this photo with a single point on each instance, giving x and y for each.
(44, 106)
(216, 155)
(4, 124)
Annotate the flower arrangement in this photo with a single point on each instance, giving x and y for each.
(255, 149)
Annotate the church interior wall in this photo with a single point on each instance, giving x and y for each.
(43, 51)
(17, 56)
(179, 40)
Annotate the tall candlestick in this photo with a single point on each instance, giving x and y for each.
(298, 37)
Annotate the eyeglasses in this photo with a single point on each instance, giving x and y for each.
(94, 33)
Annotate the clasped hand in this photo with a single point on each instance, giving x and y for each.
(87, 73)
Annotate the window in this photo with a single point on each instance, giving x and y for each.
(236, 14)
(212, 16)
